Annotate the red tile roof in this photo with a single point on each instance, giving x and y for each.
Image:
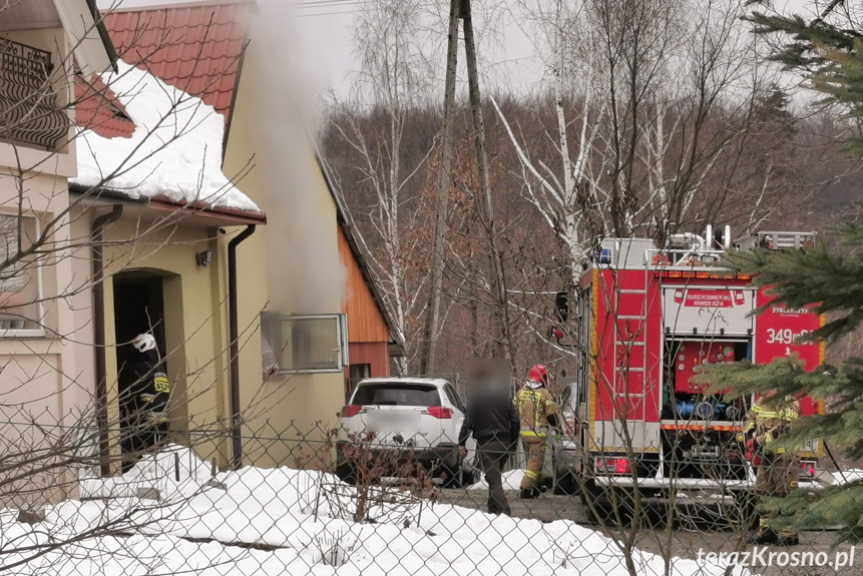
(194, 47)
(96, 108)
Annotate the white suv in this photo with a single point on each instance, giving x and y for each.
(420, 417)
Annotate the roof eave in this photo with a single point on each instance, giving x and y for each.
(89, 39)
(198, 215)
(104, 35)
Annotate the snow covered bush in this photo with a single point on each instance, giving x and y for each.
(386, 482)
(335, 547)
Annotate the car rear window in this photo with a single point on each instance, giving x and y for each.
(396, 394)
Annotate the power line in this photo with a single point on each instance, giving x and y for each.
(327, 14)
(310, 4)
(359, 6)
(325, 4)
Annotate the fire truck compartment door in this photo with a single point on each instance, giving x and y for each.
(707, 310)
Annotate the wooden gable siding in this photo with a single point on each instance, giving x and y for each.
(375, 354)
(365, 321)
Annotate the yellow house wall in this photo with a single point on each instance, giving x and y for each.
(299, 405)
(196, 352)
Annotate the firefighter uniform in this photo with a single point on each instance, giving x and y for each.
(145, 395)
(777, 472)
(536, 410)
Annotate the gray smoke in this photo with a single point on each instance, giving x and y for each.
(306, 275)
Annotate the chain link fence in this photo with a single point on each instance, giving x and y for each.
(315, 500)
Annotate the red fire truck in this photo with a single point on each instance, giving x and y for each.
(649, 317)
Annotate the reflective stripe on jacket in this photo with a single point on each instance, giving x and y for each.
(769, 422)
(534, 407)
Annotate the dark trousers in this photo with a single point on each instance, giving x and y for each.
(493, 455)
(139, 437)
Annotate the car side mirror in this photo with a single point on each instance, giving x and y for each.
(561, 304)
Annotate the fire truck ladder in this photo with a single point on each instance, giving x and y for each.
(630, 357)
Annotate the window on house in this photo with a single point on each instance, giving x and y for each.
(315, 343)
(19, 277)
(360, 371)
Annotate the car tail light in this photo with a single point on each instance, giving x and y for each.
(613, 466)
(350, 411)
(808, 469)
(440, 412)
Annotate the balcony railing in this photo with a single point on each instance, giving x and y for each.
(28, 104)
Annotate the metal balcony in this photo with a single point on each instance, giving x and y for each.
(28, 104)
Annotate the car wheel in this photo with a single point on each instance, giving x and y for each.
(453, 477)
(347, 473)
(468, 477)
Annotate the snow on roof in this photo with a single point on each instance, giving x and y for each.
(174, 153)
(196, 47)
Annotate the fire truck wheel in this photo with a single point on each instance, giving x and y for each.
(566, 485)
(616, 508)
(607, 504)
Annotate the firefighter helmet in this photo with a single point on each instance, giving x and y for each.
(144, 342)
(538, 374)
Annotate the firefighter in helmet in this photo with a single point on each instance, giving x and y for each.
(777, 470)
(145, 393)
(536, 411)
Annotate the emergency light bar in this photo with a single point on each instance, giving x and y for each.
(679, 274)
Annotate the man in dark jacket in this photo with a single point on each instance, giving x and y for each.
(493, 420)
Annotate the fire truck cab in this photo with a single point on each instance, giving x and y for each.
(648, 318)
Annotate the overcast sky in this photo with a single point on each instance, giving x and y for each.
(322, 30)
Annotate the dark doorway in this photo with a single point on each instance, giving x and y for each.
(138, 308)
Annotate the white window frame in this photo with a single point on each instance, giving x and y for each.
(40, 304)
(342, 358)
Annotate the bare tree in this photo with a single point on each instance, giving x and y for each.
(653, 103)
(393, 85)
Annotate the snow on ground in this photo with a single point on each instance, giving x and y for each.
(154, 471)
(175, 151)
(263, 522)
(847, 476)
(511, 481)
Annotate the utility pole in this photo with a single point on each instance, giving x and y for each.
(429, 345)
(503, 342)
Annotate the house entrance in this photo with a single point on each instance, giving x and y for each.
(138, 309)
